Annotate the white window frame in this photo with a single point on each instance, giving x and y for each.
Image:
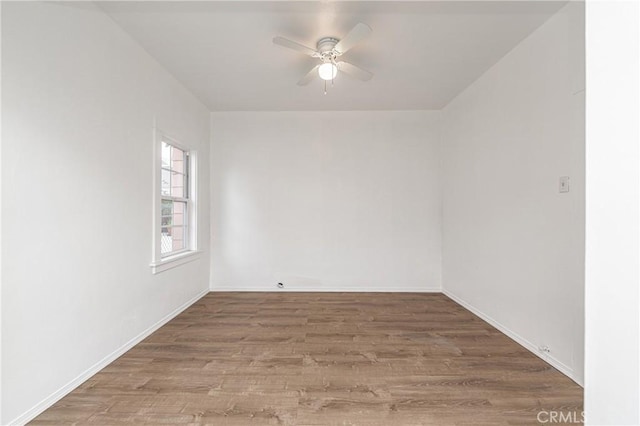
(161, 263)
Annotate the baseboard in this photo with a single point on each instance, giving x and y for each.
(549, 359)
(325, 289)
(63, 391)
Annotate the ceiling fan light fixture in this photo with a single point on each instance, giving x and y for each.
(327, 71)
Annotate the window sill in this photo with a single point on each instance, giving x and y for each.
(175, 260)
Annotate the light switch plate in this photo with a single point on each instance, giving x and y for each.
(564, 184)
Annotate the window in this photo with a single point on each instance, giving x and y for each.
(174, 205)
(174, 186)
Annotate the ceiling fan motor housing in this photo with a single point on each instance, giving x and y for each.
(326, 44)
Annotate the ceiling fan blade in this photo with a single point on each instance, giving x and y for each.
(355, 36)
(285, 42)
(309, 76)
(354, 71)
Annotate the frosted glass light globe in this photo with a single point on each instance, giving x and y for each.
(327, 71)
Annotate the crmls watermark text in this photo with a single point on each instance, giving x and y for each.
(552, 416)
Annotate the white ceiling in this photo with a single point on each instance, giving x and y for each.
(422, 54)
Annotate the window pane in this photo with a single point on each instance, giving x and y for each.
(179, 210)
(177, 185)
(167, 208)
(166, 155)
(173, 238)
(165, 241)
(166, 182)
(177, 159)
(178, 238)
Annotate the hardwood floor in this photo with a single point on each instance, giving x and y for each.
(322, 359)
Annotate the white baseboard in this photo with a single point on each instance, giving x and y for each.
(63, 391)
(555, 363)
(325, 289)
(322, 287)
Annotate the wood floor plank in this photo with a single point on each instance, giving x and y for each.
(321, 359)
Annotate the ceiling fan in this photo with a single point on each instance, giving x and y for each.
(328, 50)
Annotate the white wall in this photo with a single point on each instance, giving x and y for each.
(79, 102)
(612, 379)
(326, 201)
(512, 244)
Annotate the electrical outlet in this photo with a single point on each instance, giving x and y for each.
(564, 184)
(544, 349)
(280, 285)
